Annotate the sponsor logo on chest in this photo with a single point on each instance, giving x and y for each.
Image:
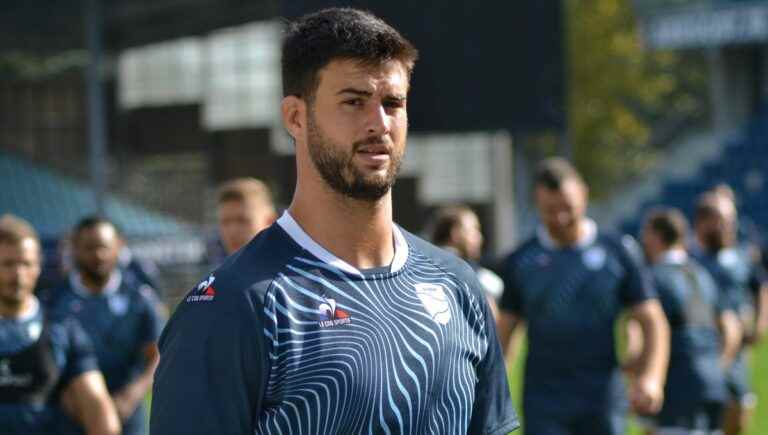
(331, 315)
(204, 291)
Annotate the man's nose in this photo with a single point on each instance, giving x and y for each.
(378, 122)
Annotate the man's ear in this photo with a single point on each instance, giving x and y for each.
(294, 113)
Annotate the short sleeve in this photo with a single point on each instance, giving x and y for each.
(637, 285)
(80, 355)
(153, 315)
(757, 278)
(213, 368)
(511, 299)
(670, 302)
(492, 412)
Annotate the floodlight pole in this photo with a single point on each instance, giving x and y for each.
(97, 127)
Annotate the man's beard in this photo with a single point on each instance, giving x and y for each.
(336, 166)
(714, 241)
(94, 274)
(13, 299)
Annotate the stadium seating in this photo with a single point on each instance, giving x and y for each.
(741, 163)
(54, 203)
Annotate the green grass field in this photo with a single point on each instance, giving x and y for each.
(759, 424)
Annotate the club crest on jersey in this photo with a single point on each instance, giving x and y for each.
(331, 315)
(435, 301)
(204, 291)
(594, 258)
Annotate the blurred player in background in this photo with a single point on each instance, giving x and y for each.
(570, 283)
(706, 333)
(42, 359)
(334, 320)
(743, 282)
(245, 207)
(457, 229)
(121, 316)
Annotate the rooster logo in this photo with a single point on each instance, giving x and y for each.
(329, 311)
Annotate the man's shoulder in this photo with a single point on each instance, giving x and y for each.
(511, 259)
(441, 258)
(248, 271)
(612, 241)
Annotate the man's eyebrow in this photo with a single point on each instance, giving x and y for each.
(396, 97)
(360, 92)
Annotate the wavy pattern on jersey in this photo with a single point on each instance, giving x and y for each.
(391, 370)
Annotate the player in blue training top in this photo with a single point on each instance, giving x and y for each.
(334, 320)
(570, 283)
(47, 365)
(121, 316)
(743, 281)
(706, 333)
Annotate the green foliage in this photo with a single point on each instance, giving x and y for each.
(31, 66)
(624, 101)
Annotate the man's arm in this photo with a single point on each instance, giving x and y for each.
(130, 396)
(761, 316)
(492, 411)
(213, 368)
(87, 400)
(647, 391)
(730, 331)
(507, 323)
(634, 345)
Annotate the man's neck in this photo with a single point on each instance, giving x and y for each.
(94, 285)
(358, 232)
(15, 311)
(573, 237)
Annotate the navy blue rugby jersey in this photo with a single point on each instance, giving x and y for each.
(692, 303)
(285, 338)
(39, 356)
(738, 276)
(121, 321)
(570, 298)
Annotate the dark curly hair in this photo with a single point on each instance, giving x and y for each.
(316, 39)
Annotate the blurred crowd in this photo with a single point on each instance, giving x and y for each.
(78, 355)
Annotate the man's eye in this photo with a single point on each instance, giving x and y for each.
(354, 102)
(394, 104)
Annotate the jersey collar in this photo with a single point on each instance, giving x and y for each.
(673, 257)
(290, 226)
(76, 283)
(588, 238)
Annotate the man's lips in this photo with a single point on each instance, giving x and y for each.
(374, 153)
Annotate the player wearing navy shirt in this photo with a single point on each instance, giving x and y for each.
(334, 320)
(46, 364)
(570, 283)
(742, 281)
(706, 334)
(121, 316)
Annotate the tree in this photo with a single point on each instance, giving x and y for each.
(625, 102)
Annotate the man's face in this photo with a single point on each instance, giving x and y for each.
(561, 210)
(357, 125)
(468, 236)
(717, 230)
(19, 270)
(240, 221)
(96, 250)
(652, 244)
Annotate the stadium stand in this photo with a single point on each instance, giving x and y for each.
(53, 203)
(742, 163)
